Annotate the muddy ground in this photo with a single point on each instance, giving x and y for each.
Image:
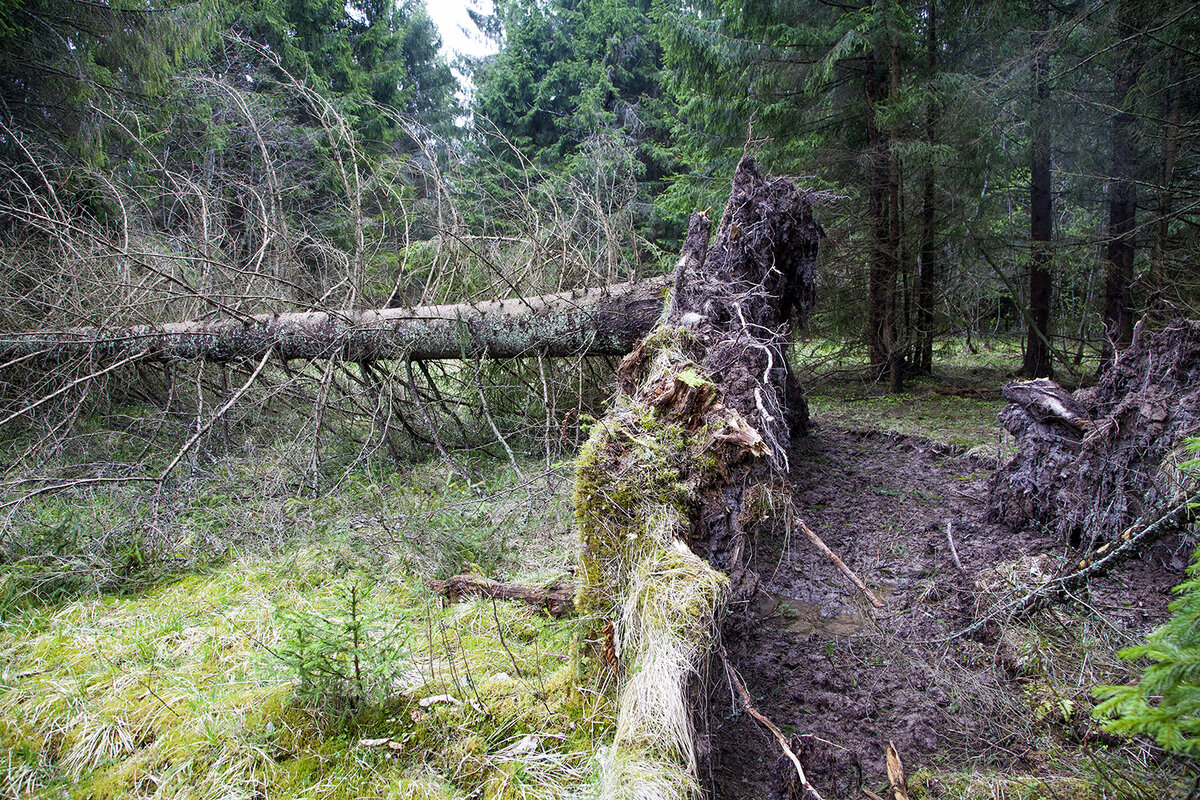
(844, 681)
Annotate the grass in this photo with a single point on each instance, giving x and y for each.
(144, 645)
(179, 692)
(841, 392)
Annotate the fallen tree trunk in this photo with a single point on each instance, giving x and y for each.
(670, 480)
(1090, 463)
(557, 599)
(604, 321)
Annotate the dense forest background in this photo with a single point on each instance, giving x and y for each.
(987, 168)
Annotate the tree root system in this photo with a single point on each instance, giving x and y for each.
(1091, 463)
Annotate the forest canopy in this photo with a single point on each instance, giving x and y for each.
(1015, 167)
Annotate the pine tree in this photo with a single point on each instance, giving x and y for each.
(378, 59)
(1165, 702)
(576, 89)
(67, 65)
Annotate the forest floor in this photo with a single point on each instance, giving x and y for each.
(1004, 713)
(192, 681)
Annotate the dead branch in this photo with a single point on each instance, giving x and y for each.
(953, 549)
(895, 773)
(1055, 591)
(557, 599)
(841, 565)
(771, 726)
(220, 413)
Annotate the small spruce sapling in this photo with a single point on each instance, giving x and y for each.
(344, 657)
(1165, 702)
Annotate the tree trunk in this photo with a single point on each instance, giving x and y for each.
(881, 201)
(1037, 350)
(923, 360)
(896, 365)
(1122, 199)
(607, 321)
(1166, 173)
(671, 480)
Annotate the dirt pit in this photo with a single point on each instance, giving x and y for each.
(843, 679)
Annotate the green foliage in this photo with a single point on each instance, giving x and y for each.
(1165, 703)
(577, 90)
(378, 59)
(347, 655)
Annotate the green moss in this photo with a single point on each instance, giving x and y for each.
(618, 488)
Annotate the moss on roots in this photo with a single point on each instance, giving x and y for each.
(635, 493)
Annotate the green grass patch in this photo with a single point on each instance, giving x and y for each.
(842, 392)
(184, 692)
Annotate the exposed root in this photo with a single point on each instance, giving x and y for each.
(1090, 463)
(704, 416)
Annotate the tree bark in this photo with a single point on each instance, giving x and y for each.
(606, 321)
(1037, 351)
(1122, 199)
(923, 360)
(882, 199)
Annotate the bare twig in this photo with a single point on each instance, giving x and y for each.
(433, 431)
(953, 549)
(841, 565)
(778, 734)
(487, 413)
(220, 412)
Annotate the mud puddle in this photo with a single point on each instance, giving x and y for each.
(821, 619)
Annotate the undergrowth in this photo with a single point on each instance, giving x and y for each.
(239, 678)
(202, 643)
(956, 406)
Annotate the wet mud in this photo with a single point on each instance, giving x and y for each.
(844, 679)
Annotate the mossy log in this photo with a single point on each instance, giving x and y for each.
(702, 421)
(602, 321)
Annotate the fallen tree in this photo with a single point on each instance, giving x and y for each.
(603, 321)
(670, 481)
(1090, 463)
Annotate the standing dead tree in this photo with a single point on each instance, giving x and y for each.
(669, 481)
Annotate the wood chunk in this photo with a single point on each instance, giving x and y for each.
(557, 599)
